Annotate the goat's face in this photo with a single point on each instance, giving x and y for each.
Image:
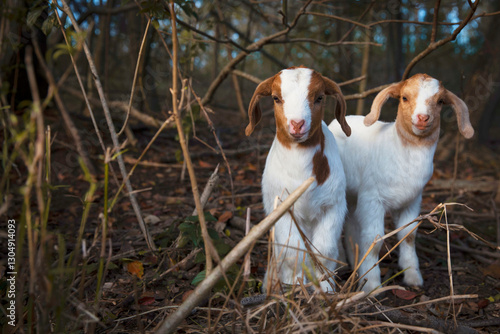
(421, 98)
(298, 104)
(298, 95)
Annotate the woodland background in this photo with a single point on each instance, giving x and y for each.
(100, 251)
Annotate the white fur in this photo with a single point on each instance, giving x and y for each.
(294, 90)
(321, 210)
(428, 88)
(382, 175)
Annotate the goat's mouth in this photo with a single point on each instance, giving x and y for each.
(299, 137)
(421, 127)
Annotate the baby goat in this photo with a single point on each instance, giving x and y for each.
(387, 166)
(303, 147)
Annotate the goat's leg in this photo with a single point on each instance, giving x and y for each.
(362, 228)
(289, 252)
(407, 253)
(325, 240)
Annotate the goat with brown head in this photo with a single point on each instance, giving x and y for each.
(387, 166)
(303, 147)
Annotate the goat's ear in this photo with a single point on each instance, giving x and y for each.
(381, 98)
(462, 113)
(254, 112)
(333, 89)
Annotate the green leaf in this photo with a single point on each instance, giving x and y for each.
(155, 24)
(213, 234)
(33, 15)
(208, 218)
(200, 257)
(48, 24)
(221, 247)
(199, 278)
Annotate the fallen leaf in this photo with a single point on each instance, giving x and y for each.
(251, 166)
(492, 270)
(205, 164)
(223, 218)
(146, 300)
(483, 303)
(136, 268)
(404, 294)
(151, 219)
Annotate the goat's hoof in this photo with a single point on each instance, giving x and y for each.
(413, 278)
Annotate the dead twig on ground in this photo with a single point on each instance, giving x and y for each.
(170, 324)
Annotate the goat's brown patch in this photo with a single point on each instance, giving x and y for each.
(321, 167)
(410, 240)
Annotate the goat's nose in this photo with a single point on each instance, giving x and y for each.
(423, 118)
(297, 124)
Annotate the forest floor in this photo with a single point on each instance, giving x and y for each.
(133, 302)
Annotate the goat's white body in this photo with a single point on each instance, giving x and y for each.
(383, 174)
(319, 212)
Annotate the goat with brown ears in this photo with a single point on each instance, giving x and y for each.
(303, 147)
(387, 166)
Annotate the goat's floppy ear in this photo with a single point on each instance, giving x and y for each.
(254, 112)
(340, 110)
(462, 113)
(381, 98)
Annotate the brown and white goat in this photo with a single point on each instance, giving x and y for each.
(387, 166)
(303, 147)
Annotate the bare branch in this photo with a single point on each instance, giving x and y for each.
(135, 113)
(247, 76)
(365, 93)
(185, 151)
(141, 50)
(434, 45)
(434, 21)
(354, 80)
(340, 18)
(242, 55)
(315, 41)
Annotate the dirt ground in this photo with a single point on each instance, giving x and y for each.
(132, 305)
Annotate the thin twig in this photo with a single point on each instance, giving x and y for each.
(34, 168)
(141, 50)
(70, 125)
(340, 18)
(256, 46)
(185, 151)
(434, 21)
(434, 45)
(111, 128)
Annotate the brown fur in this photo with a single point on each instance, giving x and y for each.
(409, 89)
(321, 168)
(410, 240)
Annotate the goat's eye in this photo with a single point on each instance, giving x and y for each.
(404, 99)
(276, 99)
(441, 101)
(319, 99)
